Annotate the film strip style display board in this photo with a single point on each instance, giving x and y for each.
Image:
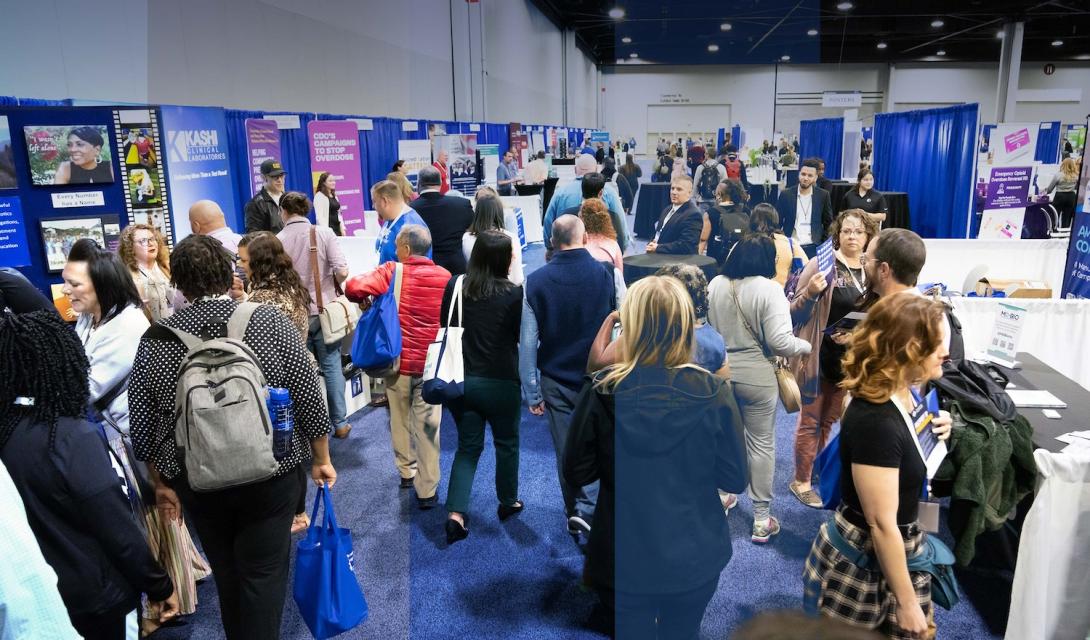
(140, 152)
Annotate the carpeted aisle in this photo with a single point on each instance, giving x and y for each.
(521, 578)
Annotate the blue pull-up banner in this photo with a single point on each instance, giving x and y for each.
(1077, 274)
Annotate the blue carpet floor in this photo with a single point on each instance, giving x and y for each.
(520, 578)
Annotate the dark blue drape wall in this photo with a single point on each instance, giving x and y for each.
(823, 139)
(929, 154)
(1048, 143)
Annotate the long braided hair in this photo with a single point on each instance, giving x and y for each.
(41, 358)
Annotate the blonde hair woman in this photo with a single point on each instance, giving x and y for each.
(402, 183)
(897, 347)
(1066, 184)
(144, 251)
(658, 433)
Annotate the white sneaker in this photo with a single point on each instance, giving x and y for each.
(577, 525)
(763, 530)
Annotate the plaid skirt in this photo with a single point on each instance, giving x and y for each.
(860, 597)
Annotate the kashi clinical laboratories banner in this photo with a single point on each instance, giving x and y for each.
(1077, 273)
(200, 165)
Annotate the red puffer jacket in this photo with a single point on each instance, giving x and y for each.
(422, 288)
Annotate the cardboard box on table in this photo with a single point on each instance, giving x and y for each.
(1014, 288)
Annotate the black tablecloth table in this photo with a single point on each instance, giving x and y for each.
(897, 216)
(1035, 374)
(651, 199)
(646, 264)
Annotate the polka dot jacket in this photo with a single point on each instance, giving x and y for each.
(280, 353)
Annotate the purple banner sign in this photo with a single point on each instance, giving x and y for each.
(262, 143)
(1008, 187)
(335, 149)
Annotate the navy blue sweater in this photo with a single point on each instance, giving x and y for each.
(570, 296)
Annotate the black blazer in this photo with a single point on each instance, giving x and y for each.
(682, 234)
(447, 218)
(819, 224)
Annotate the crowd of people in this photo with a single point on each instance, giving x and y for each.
(660, 397)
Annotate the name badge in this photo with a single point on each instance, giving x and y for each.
(920, 416)
(929, 516)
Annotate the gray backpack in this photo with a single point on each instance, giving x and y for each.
(222, 425)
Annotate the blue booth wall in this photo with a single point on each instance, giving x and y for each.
(37, 202)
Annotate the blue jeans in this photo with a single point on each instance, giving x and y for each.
(559, 404)
(329, 359)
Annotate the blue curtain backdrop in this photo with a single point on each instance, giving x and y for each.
(823, 139)
(1048, 143)
(296, 155)
(930, 155)
(240, 163)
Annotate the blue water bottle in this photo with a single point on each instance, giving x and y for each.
(283, 421)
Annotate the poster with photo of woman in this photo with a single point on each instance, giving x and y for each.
(75, 154)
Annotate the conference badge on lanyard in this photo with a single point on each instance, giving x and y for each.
(932, 451)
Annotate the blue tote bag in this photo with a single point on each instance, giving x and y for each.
(326, 589)
(377, 341)
(826, 474)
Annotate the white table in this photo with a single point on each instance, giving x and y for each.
(1056, 331)
(951, 261)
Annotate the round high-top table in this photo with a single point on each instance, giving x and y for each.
(646, 264)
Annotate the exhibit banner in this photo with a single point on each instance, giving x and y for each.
(462, 160)
(599, 136)
(13, 244)
(1013, 143)
(520, 146)
(490, 160)
(262, 143)
(140, 150)
(199, 161)
(416, 154)
(1008, 187)
(335, 149)
(1077, 274)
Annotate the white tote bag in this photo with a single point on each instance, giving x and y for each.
(444, 369)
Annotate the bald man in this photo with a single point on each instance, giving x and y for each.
(206, 219)
(564, 304)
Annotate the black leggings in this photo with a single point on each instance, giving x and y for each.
(1065, 206)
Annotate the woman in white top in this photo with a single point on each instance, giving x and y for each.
(111, 322)
(488, 215)
(144, 251)
(749, 310)
(327, 209)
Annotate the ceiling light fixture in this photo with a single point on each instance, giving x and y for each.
(620, 60)
(1084, 56)
(633, 55)
(812, 32)
(845, 6)
(616, 13)
(626, 40)
(937, 23)
(1057, 43)
(940, 52)
(726, 26)
(881, 45)
(713, 48)
(785, 58)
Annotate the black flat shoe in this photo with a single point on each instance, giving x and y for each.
(455, 531)
(427, 503)
(505, 512)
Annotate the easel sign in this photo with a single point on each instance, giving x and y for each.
(1003, 347)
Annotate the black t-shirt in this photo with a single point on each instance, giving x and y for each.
(877, 435)
(491, 338)
(845, 298)
(872, 202)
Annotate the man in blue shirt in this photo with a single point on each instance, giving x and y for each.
(571, 195)
(507, 174)
(392, 208)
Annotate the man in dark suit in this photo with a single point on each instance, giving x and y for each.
(447, 218)
(806, 211)
(678, 228)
